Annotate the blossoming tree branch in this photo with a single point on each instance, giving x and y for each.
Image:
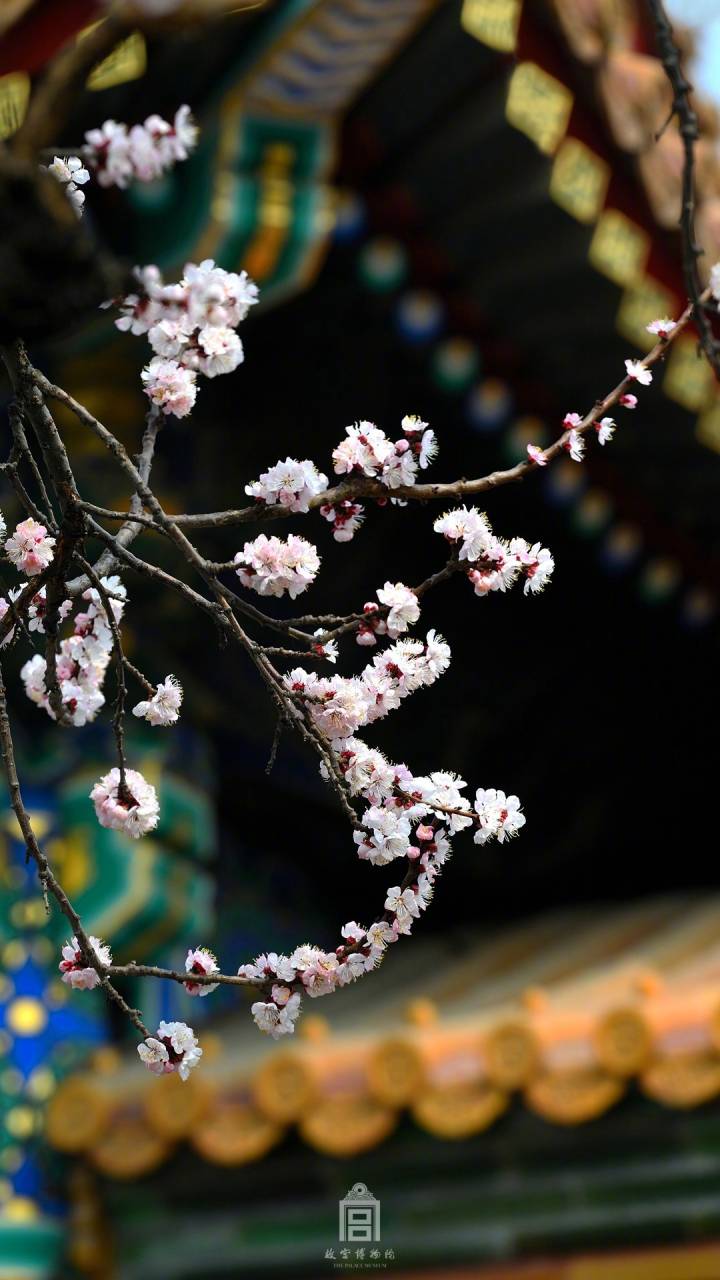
(71, 561)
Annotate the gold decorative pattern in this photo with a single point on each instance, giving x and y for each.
(683, 1080)
(174, 1107)
(573, 1097)
(235, 1133)
(493, 22)
(511, 1052)
(77, 1114)
(640, 304)
(688, 378)
(128, 1148)
(127, 61)
(459, 1111)
(345, 1126)
(623, 1042)
(579, 180)
(707, 429)
(284, 1086)
(455, 1068)
(686, 1262)
(26, 1016)
(14, 96)
(395, 1072)
(619, 248)
(538, 105)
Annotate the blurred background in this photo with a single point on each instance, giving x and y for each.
(458, 210)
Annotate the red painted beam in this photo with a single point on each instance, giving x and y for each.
(37, 36)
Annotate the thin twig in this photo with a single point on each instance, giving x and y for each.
(48, 881)
(689, 132)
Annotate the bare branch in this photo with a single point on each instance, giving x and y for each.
(689, 132)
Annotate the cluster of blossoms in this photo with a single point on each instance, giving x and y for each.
(71, 173)
(636, 371)
(35, 613)
(313, 972)
(174, 1047)
(119, 155)
(496, 564)
(574, 444)
(82, 658)
(30, 548)
(290, 484)
(272, 566)
(340, 705)
(367, 451)
(190, 327)
(132, 808)
(499, 815)
(407, 816)
(74, 969)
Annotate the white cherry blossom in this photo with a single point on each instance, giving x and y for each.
(163, 707)
(75, 971)
(174, 1047)
(636, 370)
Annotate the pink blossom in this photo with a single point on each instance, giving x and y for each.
(144, 152)
(572, 420)
(345, 517)
(289, 484)
(170, 386)
(82, 658)
(200, 961)
(174, 1047)
(272, 566)
(191, 324)
(365, 636)
(468, 527)
(74, 969)
(536, 455)
(30, 548)
(368, 451)
(365, 450)
(274, 1019)
(136, 813)
(628, 400)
